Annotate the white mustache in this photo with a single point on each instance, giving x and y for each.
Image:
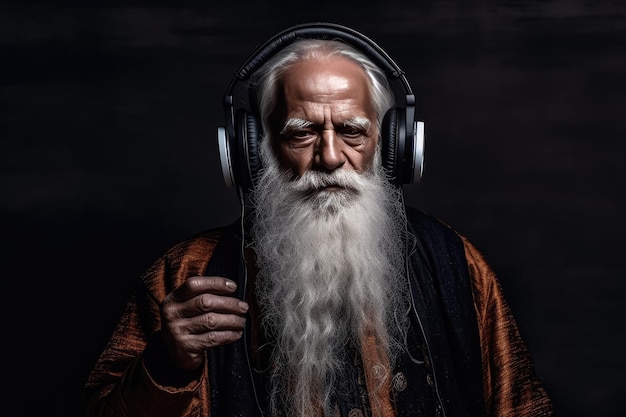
(312, 181)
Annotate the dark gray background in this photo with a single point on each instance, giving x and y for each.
(108, 120)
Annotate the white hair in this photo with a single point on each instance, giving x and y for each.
(268, 78)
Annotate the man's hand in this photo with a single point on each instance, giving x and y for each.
(200, 315)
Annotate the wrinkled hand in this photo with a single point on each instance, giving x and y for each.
(200, 315)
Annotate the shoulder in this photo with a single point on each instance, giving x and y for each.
(438, 253)
(431, 230)
(197, 248)
(448, 247)
(437, 234)
(184, 259)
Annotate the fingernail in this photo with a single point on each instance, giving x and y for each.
(243, 306)
(230, 285)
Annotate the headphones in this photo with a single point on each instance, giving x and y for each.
(402, 138)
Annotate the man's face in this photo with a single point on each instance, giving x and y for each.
(329, 118)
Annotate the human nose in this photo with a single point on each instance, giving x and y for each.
(329, 154)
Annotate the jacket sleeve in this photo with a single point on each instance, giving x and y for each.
(512, 388)
(133, 375)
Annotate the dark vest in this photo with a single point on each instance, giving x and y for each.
(440, 372)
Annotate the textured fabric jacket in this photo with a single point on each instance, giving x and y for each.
(478, 364)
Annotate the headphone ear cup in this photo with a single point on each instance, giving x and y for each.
(249, 133)
(389, 148)
(255, 134)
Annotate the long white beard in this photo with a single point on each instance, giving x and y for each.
(331, 264)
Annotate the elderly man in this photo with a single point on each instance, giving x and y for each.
(329, 297)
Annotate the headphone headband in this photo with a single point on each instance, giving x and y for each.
(321, 30)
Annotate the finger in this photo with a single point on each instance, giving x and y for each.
(218, 338)
(202, 304)
(189, 351)
(196, 285)
(207, 322)
(219, 322)
(207, 303)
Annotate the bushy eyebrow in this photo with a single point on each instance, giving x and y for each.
(361, 123)
(295, 123)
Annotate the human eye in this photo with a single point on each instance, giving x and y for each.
(352, 132)
(300, 137)
(355, 132)
(353, 136)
